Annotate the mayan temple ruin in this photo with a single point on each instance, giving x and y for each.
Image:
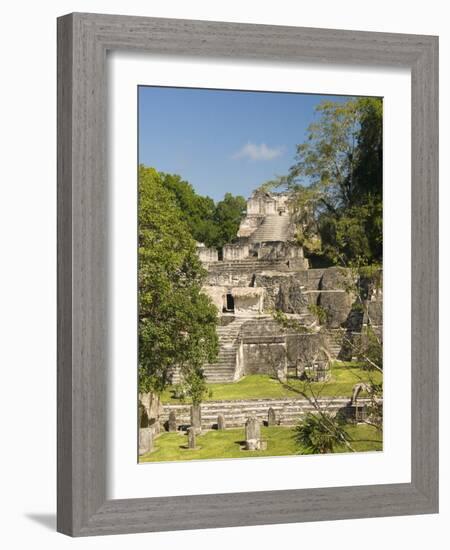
(260, 275)
(262, 272)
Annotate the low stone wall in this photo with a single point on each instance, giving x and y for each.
(235, 252)
(266, 346)
(288, 412)
(207, 255)
(265, 358)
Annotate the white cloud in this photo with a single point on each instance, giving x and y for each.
(258, 152)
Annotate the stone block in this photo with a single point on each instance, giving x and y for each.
(337, 305)
(221, 422)
(271, 417)
(172, 422)
(252, 434)
(145, 441)
(336, 278)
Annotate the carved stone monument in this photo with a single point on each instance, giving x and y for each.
(271, 417)
(220, 422)
(172, 423)
(252, 434)
(145, 441)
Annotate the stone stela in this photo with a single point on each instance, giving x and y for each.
(252, 434)
(221, 425)
(172, 422)
(271, 417)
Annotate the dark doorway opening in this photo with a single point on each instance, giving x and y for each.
(229, 303)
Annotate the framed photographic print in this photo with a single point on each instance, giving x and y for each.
(247, 269)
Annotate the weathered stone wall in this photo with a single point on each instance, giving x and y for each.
(150, 409)
(296, 292)
(223, 276)
(249, 224)
(374, 314)
(248, 300)
(265, 358)
(207, 255)
(334, 278)
(337, 305)
(302, 348)
(235, 252)
(216, 294)
(292, 298)
(278, 250)
(235, 413)
(267, 347)
(322, 299)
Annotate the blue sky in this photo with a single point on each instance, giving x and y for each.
(220, 140)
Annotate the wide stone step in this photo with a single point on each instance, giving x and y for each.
(258, 403)
(250, 266)
(218, 371)
(288, 412)
(218, 367)
(273, 228)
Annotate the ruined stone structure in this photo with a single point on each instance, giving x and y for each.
(288, 411)
(265, 270)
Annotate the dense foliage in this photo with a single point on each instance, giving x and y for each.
(321, 433)
(177, 322)
(337, 180)
(209, 223)
(227, 218)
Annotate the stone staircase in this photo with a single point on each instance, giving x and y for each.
(288, 411)
(273, 228)
(223, 370)
(334, 343)
(248, 264)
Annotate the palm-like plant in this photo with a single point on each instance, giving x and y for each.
(321, 433)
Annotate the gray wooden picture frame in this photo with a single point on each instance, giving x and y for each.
(83, 41)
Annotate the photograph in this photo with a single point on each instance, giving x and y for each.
(260, 238)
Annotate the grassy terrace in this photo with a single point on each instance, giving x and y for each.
(343, 377)
(226, 444)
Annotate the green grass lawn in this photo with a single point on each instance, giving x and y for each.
(258, 386)
(226, 444)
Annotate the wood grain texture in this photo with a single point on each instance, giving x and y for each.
(83, 40)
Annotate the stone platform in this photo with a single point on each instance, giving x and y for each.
(288, 411)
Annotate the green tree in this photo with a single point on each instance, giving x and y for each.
(197, 211)
(177, 322)
(321, 433)
(228, 215)
(337, 179)
(207, 222)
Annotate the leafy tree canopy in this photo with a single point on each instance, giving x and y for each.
(337, 183)
(177, 322)
(227, 217)
(208, 223)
